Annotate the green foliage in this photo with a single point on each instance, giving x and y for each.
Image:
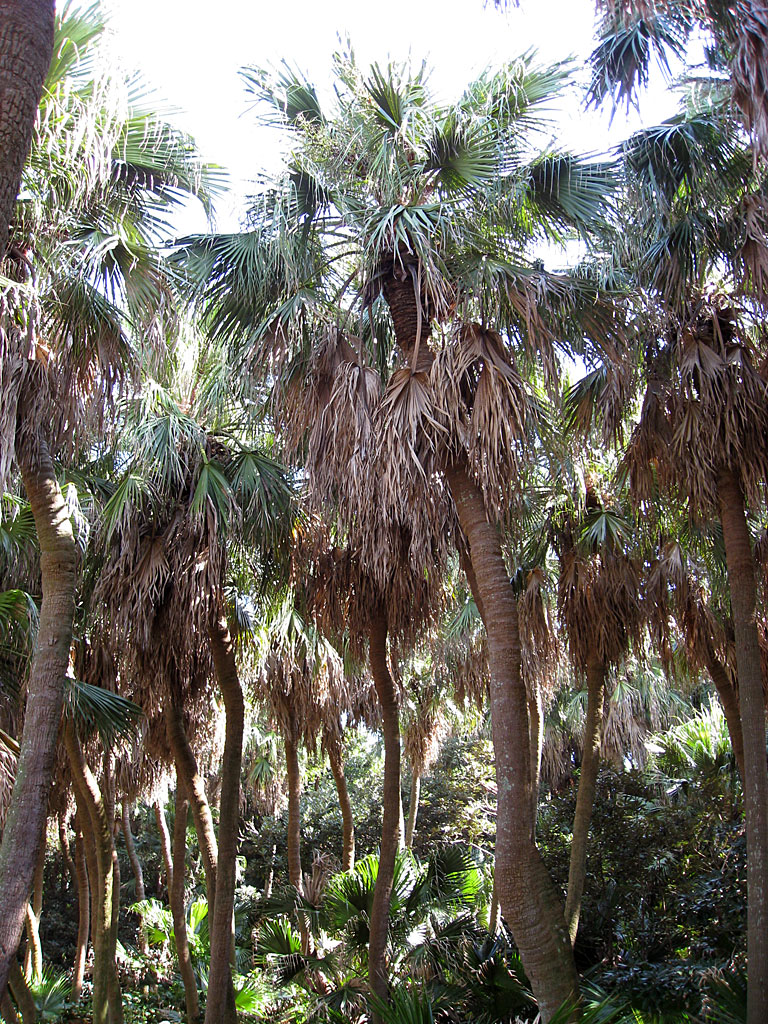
(51, 993)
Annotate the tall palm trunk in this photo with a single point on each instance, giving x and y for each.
(392, 807)
(21, 993)
(83, 912)
(68, 866)
(107, 1000)
(165, 843)
(220, 1008)
(25, 822)
(729, 699)
(527, 896)
(293, 774)
(138, 874)
(26, 46)
(33, 959)
(585, 799)
(194, 786)
(413, 807)
(741, 581)
(176, 900)
(347, 819)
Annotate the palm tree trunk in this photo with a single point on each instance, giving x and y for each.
(165, 844)
(138, 874)
(21, 993)
(26, 45)
(176, 900)
(7, 1011)
(392, 807)
(413, 807)
(729, 700)
(348, 821)
(220, 1008)
(270, 873)
(25, 822)
(68, 870)
(585, 799)
(527, 896)
(107, 1004)
(194, 786)
(294, 810)
(33, 958)
(741, 581)
(536, 719)
(83, 912)
(493, 915)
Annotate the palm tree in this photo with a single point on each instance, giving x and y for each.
(109, 179)
(26, 47)
(407, 223)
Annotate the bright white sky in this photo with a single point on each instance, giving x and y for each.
(191, 51)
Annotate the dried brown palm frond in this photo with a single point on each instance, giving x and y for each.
(753, 220)
(749, 69)
(539, 647)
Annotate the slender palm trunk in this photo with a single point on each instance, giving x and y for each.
(25, 822)
(33, 958)
(493, 914)
(194, 786)
(348, 821)
(138, 874)
(176, 900)
(528, 899)
(7, 1010)
(413, 807)
(107, 1002)
(293, 773)
(26, 45)
(220, 1008)
(741, 581)
(68, 867)
(270, 873)
(536, 719)
(392, 807)
(21, 993)
(585, 799)
(83, 912)
(165, 845)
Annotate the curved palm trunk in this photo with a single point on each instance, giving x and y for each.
(585, 799)
(138, 874)
(83, 913)
(741, 581)
(21, 993)
(165, 844)
(33, 958)
(107, 1002)
(68, 867)
(25, 823)
(26, 46)
(729, 700)
(220, 1008)
(347, 819)
(186, 768)
(176, 900)
(528, 899)
(413, 807)
(392, 808)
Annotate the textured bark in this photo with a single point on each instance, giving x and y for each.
(26, 46)
(68, 865)
(493, 914)
(83, 913)
(392, 808)
(138, 874)
(413, 808)
(194, 786)
(729, 699)
(165, 844)
(585, 799)
(220, 1007)
(7, 1010)
(347, 819)
(107, 1004)
(25, 823)
(527, 897)
(33, 958)
(741, 581)
(176, 900)
(293, 838)
(20, 989)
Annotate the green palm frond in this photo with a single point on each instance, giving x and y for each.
(93, 709)
(287, 91)
(17, 526)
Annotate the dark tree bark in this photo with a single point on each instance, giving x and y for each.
(83, 912)
(138, 874)
(26, 47)
(585, 799)
(220, 1007)
(741, 581)
(21, 993)
(176, 900)
(528, 900)
(25, 823)
(392, 807)
(68, 866)
(194, 786)
(348, 821)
